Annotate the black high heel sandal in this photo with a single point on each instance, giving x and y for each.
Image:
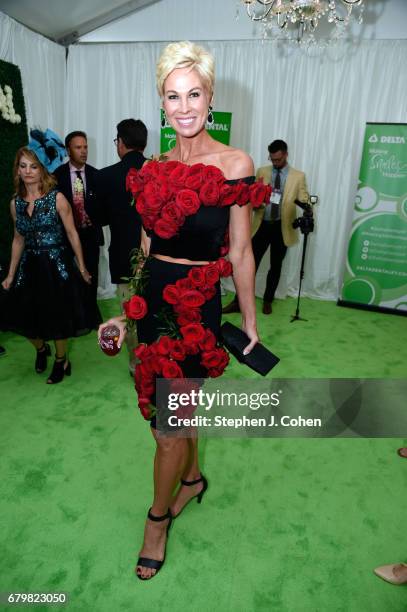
(153, 563)
(59, 371)
(198, 496)
(41, 360)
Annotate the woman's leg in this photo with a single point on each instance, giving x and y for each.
(191, 472)
(38, 343)
(169, 464)
(60, 349)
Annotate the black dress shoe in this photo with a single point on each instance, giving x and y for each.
(232, 307)
(41, 359)
(267, 309)
(61, 368)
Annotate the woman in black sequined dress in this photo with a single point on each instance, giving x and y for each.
(48, 294)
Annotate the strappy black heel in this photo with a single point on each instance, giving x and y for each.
(153, 563)
(59, 371)
(198, 496)
(41, 359)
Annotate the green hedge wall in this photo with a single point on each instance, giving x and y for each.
(12, 137)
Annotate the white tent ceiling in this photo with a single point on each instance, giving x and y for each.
(154, 20)
(65, 22)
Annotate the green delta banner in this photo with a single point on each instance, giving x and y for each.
(376, 264)
(220, 130)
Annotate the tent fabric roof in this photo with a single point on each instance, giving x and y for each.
(65, 22)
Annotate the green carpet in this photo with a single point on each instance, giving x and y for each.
(287, 525)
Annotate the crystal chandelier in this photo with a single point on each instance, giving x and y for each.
(299, 19)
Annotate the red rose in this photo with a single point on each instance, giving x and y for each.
(195, 178)
(164, 189)
(165, 228)
(179, 175)
(167, 167)
(211, 274)
(178, 351)
(209, 193)
(197, 276)
(141, 204)
(140, 350)
(211, 173)
(171, 294)
(164, 345)
(208, 342)
(227, 195)
(242, 194)
(188, 315)
(144, 408)
(215, 372)
(150, 171)
(225, 267)
(184, 284)
(209, 293)
(134, 183)
(188, 201)
(145, 368)
(148, 222)
(135, 308)
(192, 333)
(192, 298)
(171, 369)
(214, 358)
(173, 213)
(191, 348)
(258, 194)
(147, 388)
(153, 199)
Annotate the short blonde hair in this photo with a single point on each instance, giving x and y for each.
(48, 181)
(185, 54)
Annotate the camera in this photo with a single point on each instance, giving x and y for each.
(306, 222)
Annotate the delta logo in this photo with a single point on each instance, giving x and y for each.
(388, 139)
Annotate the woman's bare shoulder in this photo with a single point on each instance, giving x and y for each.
(237, 163)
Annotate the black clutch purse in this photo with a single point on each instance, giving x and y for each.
(260, 359)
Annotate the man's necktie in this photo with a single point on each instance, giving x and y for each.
(277, 181)
(275, 208)
(79, 213)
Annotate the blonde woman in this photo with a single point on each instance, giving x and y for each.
(49, 297)
(184, 235)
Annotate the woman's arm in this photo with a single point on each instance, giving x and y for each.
(65, 212)
(145, 242)
(17, 248)
(241, 257)
(120, 321)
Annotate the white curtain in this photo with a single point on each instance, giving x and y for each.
(319, 103)
(42, 65)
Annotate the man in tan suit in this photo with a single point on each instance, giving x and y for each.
(272, 223)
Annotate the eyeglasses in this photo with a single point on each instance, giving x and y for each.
(115, 140)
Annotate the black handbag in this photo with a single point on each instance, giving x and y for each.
(260, 359)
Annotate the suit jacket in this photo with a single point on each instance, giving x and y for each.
(295, 189)
(114, 209)
(63, 176)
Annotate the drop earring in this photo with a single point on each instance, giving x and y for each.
(210, 120)
(164, 120)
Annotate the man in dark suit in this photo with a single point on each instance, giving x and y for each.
(76, 180)
(113, 208)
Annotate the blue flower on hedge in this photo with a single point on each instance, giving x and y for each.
(48, 147)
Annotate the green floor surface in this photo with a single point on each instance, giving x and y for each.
(293, 525)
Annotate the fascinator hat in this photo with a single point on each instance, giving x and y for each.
(48, 147)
